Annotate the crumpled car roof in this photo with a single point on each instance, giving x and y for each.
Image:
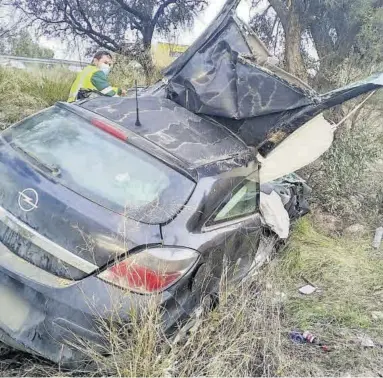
(227, 75)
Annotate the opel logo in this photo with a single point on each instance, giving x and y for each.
(28, 199)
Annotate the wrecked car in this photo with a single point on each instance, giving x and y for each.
(124, 200)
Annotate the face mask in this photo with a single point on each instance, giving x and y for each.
(105, 68)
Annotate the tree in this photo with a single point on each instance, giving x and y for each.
(333, 42)
(108, 23)
(337, 29)
(22, 44)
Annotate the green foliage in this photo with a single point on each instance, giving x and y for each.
(339, 31)
(23, 93)
(345, 183)
(23, 45)
(125, 72)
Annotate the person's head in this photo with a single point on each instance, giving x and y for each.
(103, 60)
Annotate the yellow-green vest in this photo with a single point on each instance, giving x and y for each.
(83, 81)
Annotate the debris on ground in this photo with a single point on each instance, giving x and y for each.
(309, 338)
(307, 289)
(377, 315)
(378, 238)
(366, 341)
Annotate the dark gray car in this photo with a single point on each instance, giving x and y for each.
(95, 205)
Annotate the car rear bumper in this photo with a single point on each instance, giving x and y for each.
(42, 314)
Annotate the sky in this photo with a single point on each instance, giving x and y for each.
(63, 52)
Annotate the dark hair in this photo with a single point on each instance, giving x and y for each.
(100, 54)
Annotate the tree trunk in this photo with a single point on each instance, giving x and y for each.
(146, 61)
(293, 33)
(146, 58)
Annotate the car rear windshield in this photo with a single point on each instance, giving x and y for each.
(100, 167)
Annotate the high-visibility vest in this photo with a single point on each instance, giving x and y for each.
(83, 81)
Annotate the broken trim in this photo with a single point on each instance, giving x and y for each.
(47, 245)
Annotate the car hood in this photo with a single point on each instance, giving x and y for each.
(229, 75)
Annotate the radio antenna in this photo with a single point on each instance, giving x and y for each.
(138, 123)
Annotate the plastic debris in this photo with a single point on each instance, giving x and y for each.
(377, 315)
(297, 337)
(378, 238)
(366, 342)
(307, 289)
(309, 338)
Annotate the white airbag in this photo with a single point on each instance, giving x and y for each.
(299, 149)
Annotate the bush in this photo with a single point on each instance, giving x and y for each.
(344, 181)
(23, 93)
(125, 72)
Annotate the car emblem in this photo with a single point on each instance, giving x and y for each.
(28, 199)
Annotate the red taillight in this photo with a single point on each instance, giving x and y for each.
(109, 129)
(141, 277)
(152, 270)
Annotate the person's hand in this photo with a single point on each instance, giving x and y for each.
(123, 92)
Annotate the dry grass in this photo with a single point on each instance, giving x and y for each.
(349, 274)
(23, 93)
(248, 333)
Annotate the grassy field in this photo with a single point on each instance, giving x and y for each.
(248, 333)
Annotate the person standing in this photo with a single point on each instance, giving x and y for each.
(94, 78)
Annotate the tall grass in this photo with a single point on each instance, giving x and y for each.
(347, 179)
(23, 92)
(248, 333)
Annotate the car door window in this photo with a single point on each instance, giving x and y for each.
(242, 202)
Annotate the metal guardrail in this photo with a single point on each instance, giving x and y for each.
(5, 58)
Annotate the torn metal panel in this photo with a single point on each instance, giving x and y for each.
(274, 214)
(223, 80)
(316, 136)
(228, 74)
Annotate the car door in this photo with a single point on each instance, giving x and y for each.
(237, 224)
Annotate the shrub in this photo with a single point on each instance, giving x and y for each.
(23, 93)
(345, 182)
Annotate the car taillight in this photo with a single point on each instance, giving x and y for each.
(152, 270)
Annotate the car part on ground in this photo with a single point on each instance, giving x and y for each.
(90, 202)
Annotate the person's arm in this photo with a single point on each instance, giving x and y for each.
(100, 81)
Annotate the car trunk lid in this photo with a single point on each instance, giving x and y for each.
(61, 197)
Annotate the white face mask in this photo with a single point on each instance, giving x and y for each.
(105, 68)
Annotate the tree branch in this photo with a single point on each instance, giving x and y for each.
(90, 28)
(161, 10)
(132, 11)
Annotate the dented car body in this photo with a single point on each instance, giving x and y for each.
(101, 214)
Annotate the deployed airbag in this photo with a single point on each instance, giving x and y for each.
(301, 148)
